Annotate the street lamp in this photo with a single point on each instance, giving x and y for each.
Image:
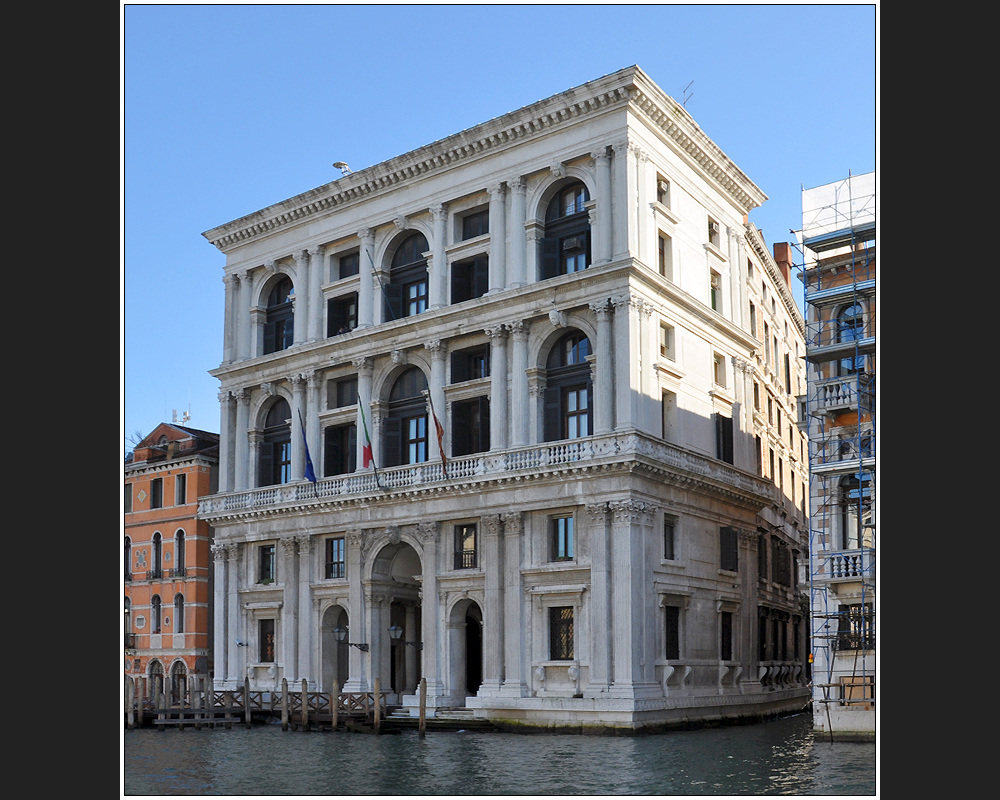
(341, 635)
(397, 633)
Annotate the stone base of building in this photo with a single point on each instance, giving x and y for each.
(840, 724)
(609, 716)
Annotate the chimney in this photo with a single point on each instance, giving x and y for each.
(783, 258)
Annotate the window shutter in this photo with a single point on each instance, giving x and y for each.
(392, 441)
(459, 367)
(552, 416)
(265, 474)
(460, 430)
(393, 300)
(550, 258)
(480, 276)
(269, 338)
(460, 283)
(484, 423)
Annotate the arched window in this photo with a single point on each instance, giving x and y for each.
(405, 427)
(850, 328)
(279, 324)
(275, 451)
(157, 570)
(180, 554)
(565, 248)
(568, 412)
(128, 558)
(406, 292)
(178, 613)
(156, 612)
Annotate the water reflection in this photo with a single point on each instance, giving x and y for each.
(778, 757)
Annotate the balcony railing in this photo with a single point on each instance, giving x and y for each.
(850, 564)
(536, 460)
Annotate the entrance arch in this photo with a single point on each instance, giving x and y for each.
(396, 622)
(465, 647)
(333, 654)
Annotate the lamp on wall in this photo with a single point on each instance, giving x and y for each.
(397, 634)
(341, 635)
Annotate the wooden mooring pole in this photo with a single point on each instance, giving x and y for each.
(284, 704)
(422, 725)
(378, 706)
(305, 705)
(130, 702)
(246, 701)
(334, 701)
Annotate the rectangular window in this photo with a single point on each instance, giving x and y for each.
(465, 547)
(340, 449)
(128, 498)
(156, 493)
(470, 364)
(335, 558)
(415, 298)
(729, 552)
(726, 636)
(415, 439)
(663, 191)
(856, 627)
(470, 431)
(672, 632)
(669, 538)
(714, 233)
(561, 633)
(470, 279)
(266, 631)
(476, 224)
(753, 320)
(180, 490)
(341, 314)
(348, 264)
(664, 256)
(267, 564)
(724, 438)
(667, 341)
(562, 538)
(576, 414)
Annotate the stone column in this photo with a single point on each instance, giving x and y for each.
(601, 638)
(298, 451)
(493, 610)
(602, 237)
(519, 407)
(438, 353)
(366, 297)
(357, 680)
(743, 451)
(317, 268)
(244, 320)
(302, 302)
(242, 436)
(604, 377)
(431, 609)
(641, 246)
(288, 577)
(516, 274)
(227, 421)
(438, 278)
(412, 635)
(314, 385)
(364, 367)
(513, 669)
(498, 387)
(622, 226)
(627, 374)
(303, 555)
(498, 237)
(221, 633)
(229, 328)
(633, 666)
(236, 626)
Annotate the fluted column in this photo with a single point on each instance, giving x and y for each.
(366, 296)
(298, 403)
(498, 388)
(301, 300)
(244, 320)
(622, 227)
(438, 353)
(516, 273)
(231, 282)
(641, 243)
(519, 402)
(235, 623)
(430, 609)
(493, 611)
(317, 265)
(288, 577)
(221, 634)
(601, 639)
(438, 278)
(364, 367)
(604, 377)
(602, 238)
(627, 366)
(302, 553)
(242, 436)
(226, 423)
(357, 680)
(513, 625)
(498, 237)
(314, 384)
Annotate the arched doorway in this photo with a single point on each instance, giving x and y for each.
(335, 661)
(396, 625)
(178, 683)
(465, 634)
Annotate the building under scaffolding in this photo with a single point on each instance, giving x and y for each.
(838, 269)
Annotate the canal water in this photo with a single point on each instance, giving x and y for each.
(776, 757)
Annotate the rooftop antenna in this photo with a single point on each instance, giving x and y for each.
(686, 96)
(344, 169)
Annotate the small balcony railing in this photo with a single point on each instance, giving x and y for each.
(465, 559)
(851, 564)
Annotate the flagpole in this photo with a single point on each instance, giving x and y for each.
(310, 471)
(440, 433)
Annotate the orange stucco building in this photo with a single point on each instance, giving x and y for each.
(168, 557)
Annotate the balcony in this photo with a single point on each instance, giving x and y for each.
(848, 565)
(840, 394)
(537, 462)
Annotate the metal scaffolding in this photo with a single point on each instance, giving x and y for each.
(838, 268)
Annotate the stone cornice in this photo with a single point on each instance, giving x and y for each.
(756, 241)
(628, 86)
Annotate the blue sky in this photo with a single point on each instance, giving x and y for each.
(227, 109)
